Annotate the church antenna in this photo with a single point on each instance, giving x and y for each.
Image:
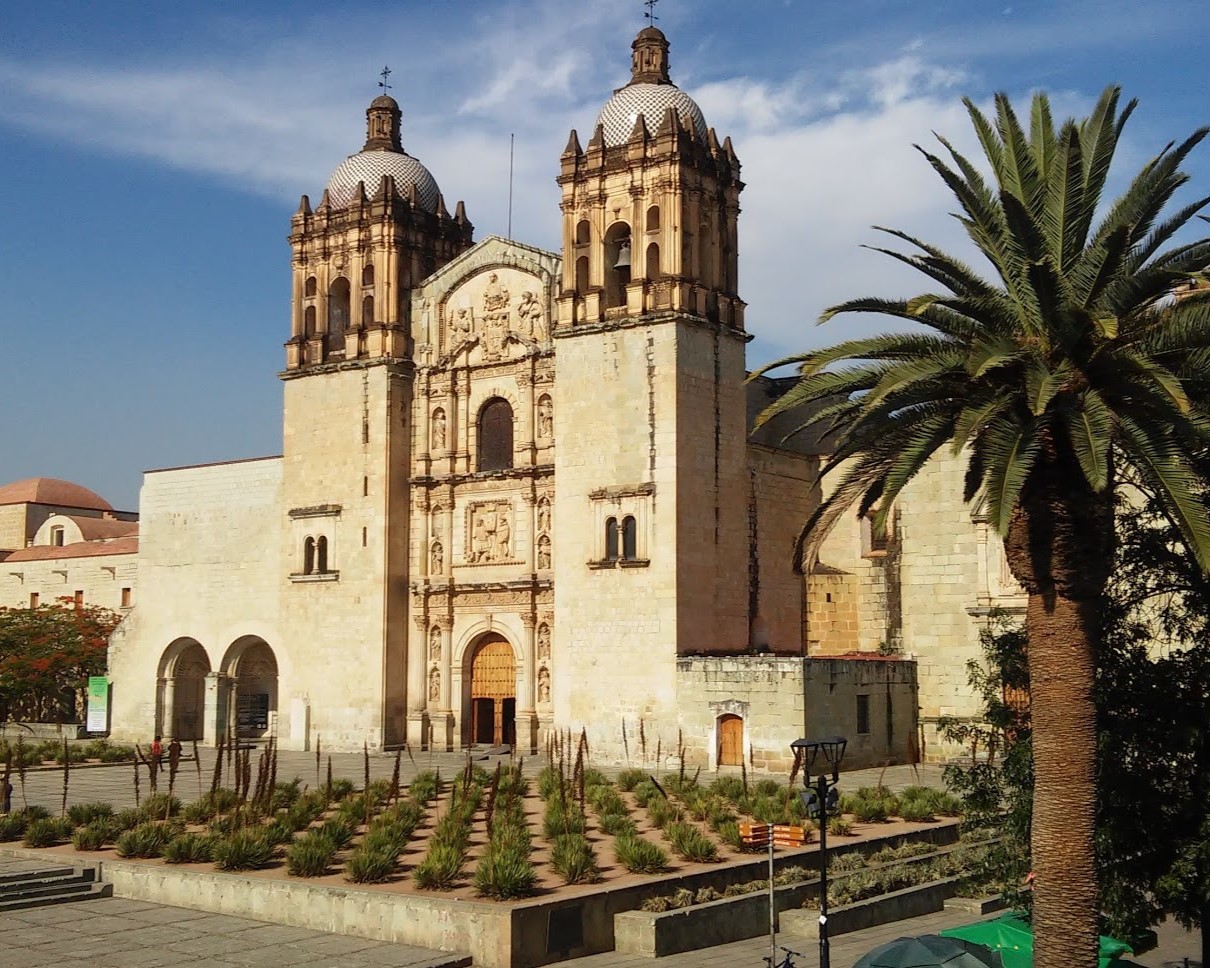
(384, 74)
(650, 14)
(511, 140)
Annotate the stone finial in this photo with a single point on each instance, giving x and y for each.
(383, 119)
(442, 211)
(573, 145)
(460, 212)
(598, 138)
(639, 131)
(304, 206)
(649, 64)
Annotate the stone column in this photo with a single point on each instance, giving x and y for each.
(454, 432)
(526, 445)
(214, 723)
(444, 719)
(168, 716)
(448, 530)
(527, 716)
(416, 695)
(530, 551)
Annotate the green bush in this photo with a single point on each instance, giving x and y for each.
(629, 779)
(243, 850)
(82, 814)
(728, 787)
(504, 873)
(562, 817)
(279, 832)
(337, 831)
(441, 867)
(916, 811)
(35, 813)
(405, 815)
(145, 840)
(423, 787)
(12, 826)
(661, 813)
(616, 824)
(117, 754)
(387, 839)
(46, 833)
(605, 799)
(640, 856)
(235, 821)
(310, 855)
(159, 805)
(452, 831)
(127, 819)
(341, 789)
(93, 836)
(550, 782)
(594, 777)
(869, 811)
(574, 859)
(285, 795)
(690, 843)
(187, 849)
(840, 827)
(645, 791)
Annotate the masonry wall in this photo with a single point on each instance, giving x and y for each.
(208, 553)
(767, 693)
(100, 577)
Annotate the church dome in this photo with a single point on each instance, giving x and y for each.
(370, 166)
(652, 101)
(382, 154)
(49, 490)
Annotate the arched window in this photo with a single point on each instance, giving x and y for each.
(338, 313)
(630, 533)
(617, 264)
(653, 218)
(496, 435)
(367, 310)
(582, 275)
(653, 261)
(311, 287)
(583, 232)
(367, 275)
(309, 321)
(321, 555)
(611, 539)
(309, 556)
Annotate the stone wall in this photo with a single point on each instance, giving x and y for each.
(101, 578)
(766, 692)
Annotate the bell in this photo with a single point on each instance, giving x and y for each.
(623, 256)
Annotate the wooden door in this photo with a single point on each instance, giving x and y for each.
(730, 741)
(494, 678)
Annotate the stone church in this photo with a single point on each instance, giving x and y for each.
(518, 493)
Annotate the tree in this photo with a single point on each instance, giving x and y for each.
(1062, 368)
(47, 654)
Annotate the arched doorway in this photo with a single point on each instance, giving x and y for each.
(252, 667)
(730, 740)
(493, 693)
(183, 670)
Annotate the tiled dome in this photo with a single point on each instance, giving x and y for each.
(370, 166)
(650, 100)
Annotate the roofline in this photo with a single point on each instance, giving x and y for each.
(214, 463)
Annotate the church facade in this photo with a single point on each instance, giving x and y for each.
(519, 493)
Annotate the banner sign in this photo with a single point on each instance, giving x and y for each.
(98, 704)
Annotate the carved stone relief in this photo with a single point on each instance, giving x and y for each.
(437, 437)
(493, 309)
(546, 418)
(543, 515)
(543, 552)
(543, 642)
(434, 686)
(543, 685)
(437, 555)
(490, 533)
(435, 644)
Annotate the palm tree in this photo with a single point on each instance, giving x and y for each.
(1068, 363)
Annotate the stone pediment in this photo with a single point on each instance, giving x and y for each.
(493, 303)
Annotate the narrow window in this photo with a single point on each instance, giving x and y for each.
(311, 288)
(617, 264)
(338, 313)
(582, 274)
(863, 715)
(321, 555)
(583, 232)
(630, 533)
(309, 321)
(367, 275)
(79, 596)
(653, 218)
(309, 556)
(653, 261)
(365, 487)
(33, 599)
(367, 310)
(363, 537)
(611, 539)
(496, 435)
(125, 598)
(56, 537)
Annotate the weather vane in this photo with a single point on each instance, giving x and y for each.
(384, 74)
(650, 14)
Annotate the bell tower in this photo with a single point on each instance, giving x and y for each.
(651, 462)
(380, 228)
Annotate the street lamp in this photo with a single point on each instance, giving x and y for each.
(818, 801)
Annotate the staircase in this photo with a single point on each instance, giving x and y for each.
(26, 885)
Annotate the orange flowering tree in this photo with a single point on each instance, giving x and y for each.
(47, 654)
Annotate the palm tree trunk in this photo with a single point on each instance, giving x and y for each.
(1063, 717)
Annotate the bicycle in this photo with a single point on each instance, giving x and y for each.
(787, 961)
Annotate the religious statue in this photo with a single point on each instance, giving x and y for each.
(461, 325)
(438, 429)
(438, 556)
(435, 644)
(481, 539)
(532, 317)
(543, 553)
(543, 641)
(495, 297)
(434, 686)
(544, 514)
(496, 319)
(543, 685)
(503, 537)
(546, 417)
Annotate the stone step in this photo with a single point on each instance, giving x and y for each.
(45, 887)
(78, 892)
(24, 875)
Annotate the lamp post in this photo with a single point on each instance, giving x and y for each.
(818, 800)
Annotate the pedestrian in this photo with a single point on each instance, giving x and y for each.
(6, 794)
(157, 753)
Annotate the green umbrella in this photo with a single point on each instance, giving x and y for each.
(930, 951)
(1013, 937)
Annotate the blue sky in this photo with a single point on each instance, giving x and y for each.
(152, 154)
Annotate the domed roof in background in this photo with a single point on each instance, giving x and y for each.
(48, 490)
(650, 100)
(370, 166)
